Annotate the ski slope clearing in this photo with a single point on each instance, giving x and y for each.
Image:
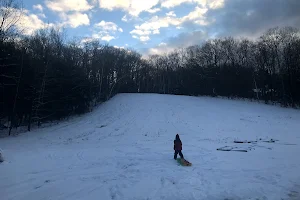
(124, 150)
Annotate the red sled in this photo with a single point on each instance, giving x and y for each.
(183, 162)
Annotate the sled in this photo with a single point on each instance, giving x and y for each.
(183, 162)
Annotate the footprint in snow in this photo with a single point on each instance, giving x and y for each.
(46, 181)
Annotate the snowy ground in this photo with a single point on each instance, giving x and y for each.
(124, 150)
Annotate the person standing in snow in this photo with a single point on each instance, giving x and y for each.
(177, 147)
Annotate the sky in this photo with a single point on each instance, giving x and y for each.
(159, 26)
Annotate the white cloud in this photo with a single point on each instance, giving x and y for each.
(133, 7)
(104, 37)
(87, 39)
(141, 38)
(42, 15)
(153, 26)
(124, 18)
(38, 7)
(70, 12)
(27, 22)
(31, 23)
(114, 4)
(117, 47)
(144, 38)
(140, 32)
(213, 4)
(68, 5)
(174, 3)
(161, 49)
(155, 23)
(156, 32)
(75, 20)
(108, 26)
(171, 14)
(153, 10)
(198, 15)
(106, 31)
(162, 44)
(127, 18)
(107, 38)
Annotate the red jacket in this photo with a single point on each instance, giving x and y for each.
(177, 145)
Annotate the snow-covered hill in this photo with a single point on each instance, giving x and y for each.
(124, 150)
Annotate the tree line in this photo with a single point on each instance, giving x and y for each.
(44, 77)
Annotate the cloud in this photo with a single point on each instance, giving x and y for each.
(144, 38)
(131, 18)
(140, 32)
(117, 47)
(197, 16)
(38, 7)
(97, 36)
(153, 10)
(252, 18)
(71, 12)
(174, 3)
(66, 5)
(181, 41)
(211, 19)
(141, 38)
(27, 22)
(107, 38)
(159, 50)
(162, 44)
(75, 20)
(153, 26)
(86, 39)
(171, 14)
(156, 32)
(42, 15)
(124, 18)
(106, 31)
(212, 4)
(188, 39)
(31, 23)
(215, 4)
(132, 7)
(107, 26)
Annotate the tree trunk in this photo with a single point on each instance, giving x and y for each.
(16, 98)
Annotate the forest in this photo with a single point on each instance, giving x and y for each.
(45, 77)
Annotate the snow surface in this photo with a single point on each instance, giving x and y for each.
(124, 150)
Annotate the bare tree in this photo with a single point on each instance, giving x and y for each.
(10, 13)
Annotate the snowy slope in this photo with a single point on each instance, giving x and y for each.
(124, 150)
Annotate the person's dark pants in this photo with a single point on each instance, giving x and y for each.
(177, 152)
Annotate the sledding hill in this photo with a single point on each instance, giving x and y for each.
(124, 150)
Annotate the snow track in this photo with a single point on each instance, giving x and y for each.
(124, 150)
